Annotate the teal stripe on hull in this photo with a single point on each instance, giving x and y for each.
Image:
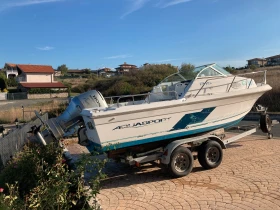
(93, 146)
(192, 118)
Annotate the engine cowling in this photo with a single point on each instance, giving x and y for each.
(71, 116)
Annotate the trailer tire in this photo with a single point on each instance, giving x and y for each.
(265, 123)
(181, 162)
(210, 154)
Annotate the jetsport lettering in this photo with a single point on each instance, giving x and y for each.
(140, 124)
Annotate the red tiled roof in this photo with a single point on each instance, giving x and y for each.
(125, 64)
(42, 85)
(35, 68)
(11, 64)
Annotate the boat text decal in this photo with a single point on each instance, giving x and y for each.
(140, 124)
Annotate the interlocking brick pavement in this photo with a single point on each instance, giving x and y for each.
(248, 178)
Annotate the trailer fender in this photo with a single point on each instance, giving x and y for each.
(217, 139)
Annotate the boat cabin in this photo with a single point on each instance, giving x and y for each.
(177, 85)
(202, 81)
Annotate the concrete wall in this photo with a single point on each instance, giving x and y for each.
(37, 77)
(47, 95)
(3, 96)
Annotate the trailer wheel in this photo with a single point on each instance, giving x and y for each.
(181, 162)
(210, 154)
(265, 123)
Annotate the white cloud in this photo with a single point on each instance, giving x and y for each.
(46, 48)
(137, 4)
(119, 56)
(172, 3)
(19, 3)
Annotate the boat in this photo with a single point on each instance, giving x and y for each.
(184, 104)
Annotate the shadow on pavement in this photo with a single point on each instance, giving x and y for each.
(122, 175)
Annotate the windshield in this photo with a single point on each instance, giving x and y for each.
(177, 77)
(209, 70)
(220, 69)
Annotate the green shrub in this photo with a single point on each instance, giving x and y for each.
(39, 178)
(134, 82)
(11, 82)
(253, 67)
(45, 91)
(3, 81)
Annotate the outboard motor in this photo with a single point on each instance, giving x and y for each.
(71, 116)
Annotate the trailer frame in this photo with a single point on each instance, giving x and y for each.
(190, 148)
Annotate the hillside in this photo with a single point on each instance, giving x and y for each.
(270, 99)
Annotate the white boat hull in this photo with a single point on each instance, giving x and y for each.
(158, 121)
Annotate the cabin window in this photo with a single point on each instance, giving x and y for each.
(174, 78)
(209, 72)
(220, 69)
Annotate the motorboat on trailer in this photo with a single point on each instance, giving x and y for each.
(183, 104)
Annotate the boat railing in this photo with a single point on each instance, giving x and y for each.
(228, 88)
(231, 83)
(147, 95)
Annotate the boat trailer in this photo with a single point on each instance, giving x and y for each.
(179, 155)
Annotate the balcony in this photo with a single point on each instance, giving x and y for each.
(11, 71)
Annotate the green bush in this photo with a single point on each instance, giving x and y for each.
(134, 82)
(11, 82)
(3, 81)
(44, 91)
(39, 178)
(253, 67)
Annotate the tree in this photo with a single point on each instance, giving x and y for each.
(3, 81)
(230, 69)
(63, 68)
(253, 67)
(87, 71)
(186, 70)
(11, 82)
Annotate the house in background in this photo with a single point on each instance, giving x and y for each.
(57, 73)
(269, 61)
(273, 60)
(104, 72)
(35, 73)
(78, 72)
(146, 64)
(11, 70)
(37, 76)
(75, 72)
(124, 68)
(257, 62)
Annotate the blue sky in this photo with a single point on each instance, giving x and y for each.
(99, 33)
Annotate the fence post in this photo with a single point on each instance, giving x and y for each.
(22, 107)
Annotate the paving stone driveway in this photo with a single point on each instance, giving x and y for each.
(248, 178)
